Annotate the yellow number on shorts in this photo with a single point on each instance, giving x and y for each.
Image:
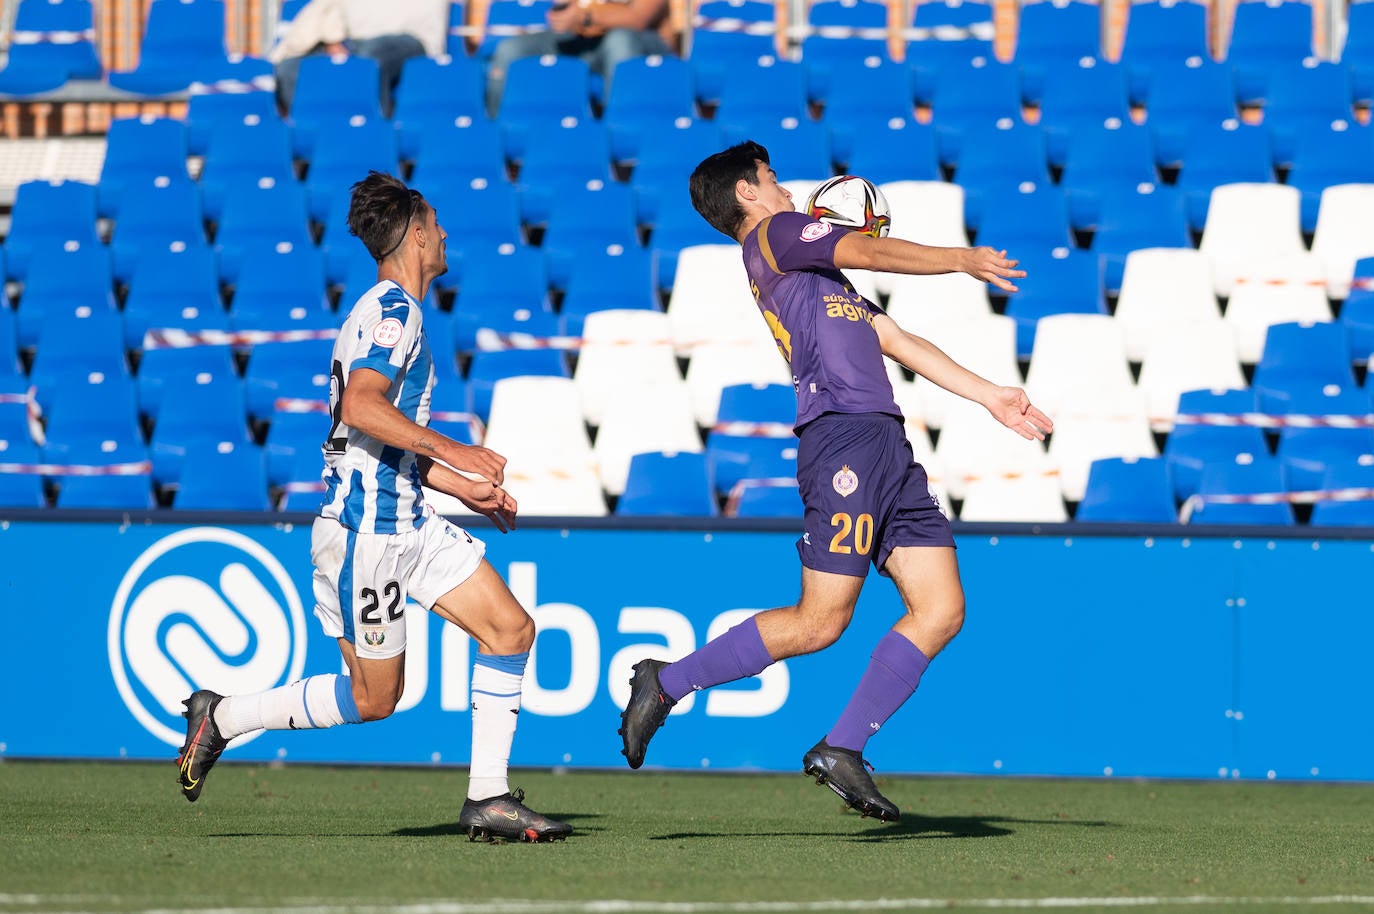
(861, 527)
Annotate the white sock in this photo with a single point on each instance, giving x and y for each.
(313, 703)
(495, 708)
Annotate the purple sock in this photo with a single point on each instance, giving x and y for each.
(737, 654)
(893, 673)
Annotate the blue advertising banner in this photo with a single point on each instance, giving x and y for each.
(1083, 655)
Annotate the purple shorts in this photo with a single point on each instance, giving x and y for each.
(864, 494)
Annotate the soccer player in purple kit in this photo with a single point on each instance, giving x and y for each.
(866, 498)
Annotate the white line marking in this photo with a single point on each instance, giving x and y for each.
(89, 904)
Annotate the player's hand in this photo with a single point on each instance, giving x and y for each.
(486, 463)
(993, 268)
(1011, 407)
(492, 501)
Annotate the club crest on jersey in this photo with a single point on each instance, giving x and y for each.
(387, 333)
(846, 482)
(815, 230)
(375, 638)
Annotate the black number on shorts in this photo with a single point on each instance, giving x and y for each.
(372, 608)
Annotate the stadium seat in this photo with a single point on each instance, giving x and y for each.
(344, 152)
(489, 367)
(752, 436)
(619, 278)
(895, 150)
(155, 215)
(470, 239)
(773, 497)
(1304, 96)
(1192, 446)
(643, 417)
(195, 418)
(1050, 33)
(23, 488)
(173, 286)
(797, 149)
(536, 423)
(677, 227)
(1197, 355)
(649, 94)
(303, 488)
(996, 158)
(725, 32)
(497, 325)
(1132, 218)
(974, 446)
(1264, 37)
(714, 366)
(1308, 451)
(1299, 356)
(710, 300)
(74, 275)
(927, 212)
(1080, 95)
(1161, 33)
(1249, 227)
(1162, 290)
(946, 34)
(1113, 156)
(124, 486)
(584, 220)
(91, 408)
(208, 110)
(541, 92)
(1134, 490)
(9, 344)
(980, 92)
(840, 35)
(763, 90)
(568, 155)
(667, 156)
(1030, 499)
(622, 349)
(935, 303)
(51, 42)
(241, 152)
(1247, 474)
(282, 289)
(668, 484)
(1257, 305)
(985, 344)
(331, 90)
(138, 150)
(862, 96)
(1354, 474)
(1343, 233)
(223, 478)
(1222, 154)
(510, 18)
(296, 371)
(261, 216)
(1027, 218)
(500, 279)
(1084, 436)
(1078, 365)
(48, 214)
(455, 152)
(1062, 281)
(436, 91)
(183, 44)
(1357, 54)
(1341, 153)
(1192, 94)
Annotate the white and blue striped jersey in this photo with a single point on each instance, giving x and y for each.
(371, 487)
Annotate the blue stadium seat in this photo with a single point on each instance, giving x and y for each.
(1225, 153)
(1307, 453)
(500, 281)
(978, 94)
(1053, 32)
(668, 484)
(344, 153)
(155, 215)
(1062, 281)
(137, 150)
(468, 238)
(292, 448)
(862, 96)
(183, 43)
(1264, 37)
(456, 46)
(895, 150)
(1346, 474)
(678, 226)
(92, 409)
(73, 275)
(584, 221)
(618, 277)
(1190, 447)
(995, 158)
(52, 41)
(330, 90)
(48, 214)
(1134, 490)
(21, 489)
(1132, 217)
(843, 34)
(774, 497)
(1080, 96)
(1299, 357)
(124, 485)
(470, 325)
(207, 111)
(194, 419)
(725, 32)
(542, 92)
(173, 286)
(488, 367)
(667, 158)
(763, 90)
(1197, 93)
(1358, 53)
(437, 91)
(648, 94)
(511, 17)
(1028, 219)
(262, 215)
(239, 153)
(343, 251)
(1104, 159)
(450, 412)
(735, 456)
(455, 151)
(568, 155)
(945, 34)
(1245, 474)
(1160, 34)
(167, 368)
(73, 339)
(219, 478)
(280, 290)
(286, 371)
(1357, 314)
(1341, 152)
(9, 343)
(796, 148)
(1303, 97)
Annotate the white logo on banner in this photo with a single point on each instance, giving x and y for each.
(230, 633)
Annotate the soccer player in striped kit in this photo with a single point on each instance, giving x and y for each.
(375, 543)
(866, 498)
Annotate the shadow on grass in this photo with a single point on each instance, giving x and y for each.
(910, 828)
(579, 822)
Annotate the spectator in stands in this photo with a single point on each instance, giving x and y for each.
(601, 33)
(390, 33)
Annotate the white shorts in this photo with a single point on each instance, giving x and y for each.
(362, 579)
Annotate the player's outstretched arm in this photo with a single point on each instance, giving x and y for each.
(1008, 405)
(481, 495)
(893, 255)
(367, 408)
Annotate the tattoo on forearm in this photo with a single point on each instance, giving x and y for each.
(422, 444)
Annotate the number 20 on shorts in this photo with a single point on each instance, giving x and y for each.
(862, 529)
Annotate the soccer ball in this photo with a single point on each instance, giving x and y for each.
(852, 202)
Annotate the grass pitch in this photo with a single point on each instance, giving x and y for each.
(118, 837)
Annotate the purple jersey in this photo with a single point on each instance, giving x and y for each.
(823, 327)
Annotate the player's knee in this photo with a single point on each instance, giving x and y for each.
(376, 707)
(950, 620)
(824, 632)
(515, 637)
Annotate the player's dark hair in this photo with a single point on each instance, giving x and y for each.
(713, 185)
(380, 212)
